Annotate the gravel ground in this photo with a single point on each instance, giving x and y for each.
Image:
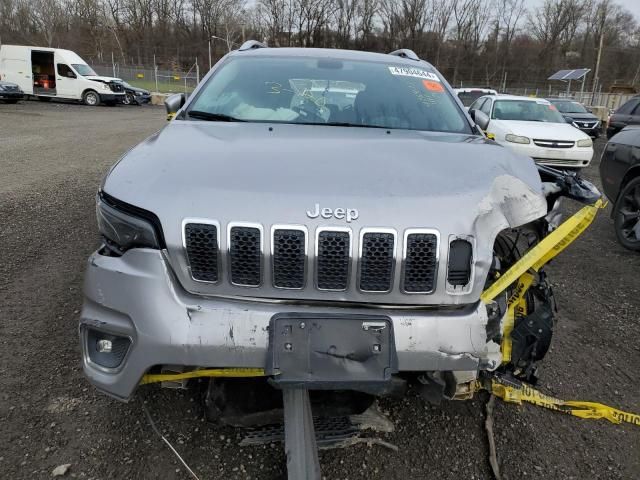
(52, 158)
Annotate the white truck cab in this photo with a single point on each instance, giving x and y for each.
(56, 73)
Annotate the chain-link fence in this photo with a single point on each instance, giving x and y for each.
(153, 79)
(610, 101)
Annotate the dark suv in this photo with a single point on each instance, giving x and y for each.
(627, 114)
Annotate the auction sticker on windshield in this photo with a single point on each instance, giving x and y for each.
(414, 72)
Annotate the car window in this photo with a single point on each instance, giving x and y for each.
(65, 71)
(330, 91)
(477, 105)
(527, 111)
(486, 107)
(468, 97)
(628, 107)
(636, 111)
(83, 69)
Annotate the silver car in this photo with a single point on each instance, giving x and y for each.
(328, 217)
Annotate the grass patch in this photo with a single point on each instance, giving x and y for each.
(174, 87)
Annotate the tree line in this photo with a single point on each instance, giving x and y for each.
(479, 42)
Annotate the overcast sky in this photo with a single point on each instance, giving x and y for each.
(632, 5)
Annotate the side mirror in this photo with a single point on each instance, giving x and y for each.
(472, 114)
(589, 109)
(481, 119)
(173, 103)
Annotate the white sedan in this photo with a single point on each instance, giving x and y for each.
(533, 127)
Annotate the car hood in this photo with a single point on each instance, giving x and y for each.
(274, 174)
(543, 130)
(100, 78)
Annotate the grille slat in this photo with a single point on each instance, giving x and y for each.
(377, 261)
(201, 242)
(333, 257)
(289, 258)
(420, 263)
(245, 256)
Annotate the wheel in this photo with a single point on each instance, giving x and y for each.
(128, 99)
(626, 215)
(91, 98)
(44, 99)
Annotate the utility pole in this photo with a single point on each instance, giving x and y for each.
(596, 76)
(209, 52)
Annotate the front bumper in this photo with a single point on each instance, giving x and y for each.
(142, 99)
(111, 97)
(137, 297)
(11, 95)
(576, 157)
(593, 132)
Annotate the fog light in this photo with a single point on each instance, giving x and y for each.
(104, 346)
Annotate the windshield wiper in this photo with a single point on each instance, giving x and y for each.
(214, 117)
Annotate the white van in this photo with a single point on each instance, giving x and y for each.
(55, 73)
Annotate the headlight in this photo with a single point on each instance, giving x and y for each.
(575, 124)
(509, 137)
(123, 230)
(105, 86)
(585, 142)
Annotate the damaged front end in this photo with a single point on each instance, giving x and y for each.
(521, 316)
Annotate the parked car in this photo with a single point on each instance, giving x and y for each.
(577, 115)
(469, 95)
(327, 219)
(532, 127)
(627, 114)
(620, 174)
(10, 92)
(135, 95)
(48, 73)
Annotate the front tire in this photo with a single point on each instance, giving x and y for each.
(91, 98)
(626, 216)
(128, 99)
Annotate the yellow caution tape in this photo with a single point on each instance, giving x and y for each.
(516, 306)
(548, 248)
(526, 393)
(211, 372)
(171, 116)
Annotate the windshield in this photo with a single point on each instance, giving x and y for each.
(467, 98)
(569, 106)
(324, 91)
(83, 69)
(527, 111)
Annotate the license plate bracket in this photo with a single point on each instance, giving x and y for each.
(331, 351)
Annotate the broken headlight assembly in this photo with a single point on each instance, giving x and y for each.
(124, 226)
(522, 317)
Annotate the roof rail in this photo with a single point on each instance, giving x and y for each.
(406, 53)
(251, 45)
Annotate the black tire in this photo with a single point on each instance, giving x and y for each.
(44, 99)
(91, 98)
(626, 215)
(128, 99)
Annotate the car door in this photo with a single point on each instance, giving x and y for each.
(65, 81)
(634, 118)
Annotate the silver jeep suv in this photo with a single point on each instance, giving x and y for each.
(330, 217)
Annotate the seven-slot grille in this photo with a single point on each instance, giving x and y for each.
(332, 267)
